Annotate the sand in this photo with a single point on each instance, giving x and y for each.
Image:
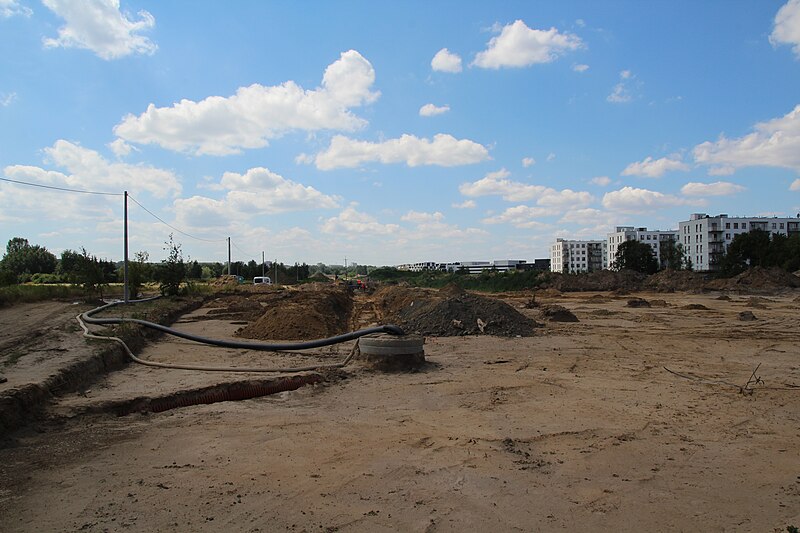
(578, 427)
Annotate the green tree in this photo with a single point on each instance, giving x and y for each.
(747, 250)
(195, 270)
(90, 273)
(672, 255)
(139, 272)
(23, 258)
(635, 255)
(172, 270)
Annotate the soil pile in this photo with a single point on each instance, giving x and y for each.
(225, 281)
(747, 316)
(557, 313)
(676, 280)
(234, 308)
(301, 315)
(603, 280)
(449, 313)
(694, 307)
(638, 302)
(757, 279)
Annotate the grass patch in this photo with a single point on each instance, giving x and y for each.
(28, 293)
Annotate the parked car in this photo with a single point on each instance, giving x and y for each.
(258, 280)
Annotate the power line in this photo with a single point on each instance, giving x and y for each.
(170, 225)
(251, 256)
(61, 188)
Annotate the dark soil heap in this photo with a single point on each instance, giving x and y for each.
(757, 279)
(557, 313)
(451, 312)
(676, 280)
(602, 280)
(638, 302)
(301, 315)
(234, 308)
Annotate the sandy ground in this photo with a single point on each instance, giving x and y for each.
(579, 427)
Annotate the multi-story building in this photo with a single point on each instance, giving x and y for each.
(568, 256)
(656, 239)
(472, 267)
(705, 238)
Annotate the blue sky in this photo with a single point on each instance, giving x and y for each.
(391, 132)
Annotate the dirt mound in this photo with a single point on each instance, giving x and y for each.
(676, 280)
(756, 302)
(695, 307)
(757, 279)
(320, 277)
(637, 302)
(440, 314)
(747, 316)
(724, 297)
(234, 308)
(225, 281)
(301, 315)
(597, 299)
(603, 280)
(557, 313)
(659, 303)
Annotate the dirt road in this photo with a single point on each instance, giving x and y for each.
(578, 427)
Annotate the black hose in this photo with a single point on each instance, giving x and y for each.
(87, 317)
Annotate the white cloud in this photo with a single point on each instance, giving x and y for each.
(718, 188)
(88, 170)
(633, 200)
(528, 162)
(655, 168)
(795, 186)
(100, 26)
(430, 110)
(522, 216)
(469, 204)
(431, 227)
(787, 26)
(622, 92)
(418, 217)
(601, 180)
(10, 8)
(444, 150)
(721, 171)
(580, 68)
(255, 114)
(259, 191)
(520, 46)
(352, 222)
(775, 143)
(551, 157)
(120, 148)
(446, 61)
(7, 99)
(498, 184)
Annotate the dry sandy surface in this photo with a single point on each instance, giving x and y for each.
(578, 427)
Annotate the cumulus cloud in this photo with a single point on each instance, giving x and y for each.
(551, 156)
(88, 170)
(258, 191)
(431, 226)
(444, 150)
(520, 46)
(100, 26)
(623, 91)
(795, 186)
(655, 168)
(721, 171)
(353, 222)
(580, 68)
(498, 184)
(528, 162)
(120, 148)
(774, 143)
(7, 99)
(787, 26)
(718, 188)
(522, 216)
(10, 8)
(633, 200)
(257, 113)
(446, 61)
(430, 110)
(469, 204)
(602, 181)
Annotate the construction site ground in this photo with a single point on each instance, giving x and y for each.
(633, 418)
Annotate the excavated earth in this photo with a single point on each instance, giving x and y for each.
(681, 416)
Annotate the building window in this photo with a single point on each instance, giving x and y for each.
(735, 225)
(727, 225)
(774, 225)
(781, 225)
(728, 236)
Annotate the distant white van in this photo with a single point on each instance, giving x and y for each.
(259, 280)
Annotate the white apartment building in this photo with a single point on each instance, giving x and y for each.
(568, 256)
(652, 238)
(472, 267)
(706, 238)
